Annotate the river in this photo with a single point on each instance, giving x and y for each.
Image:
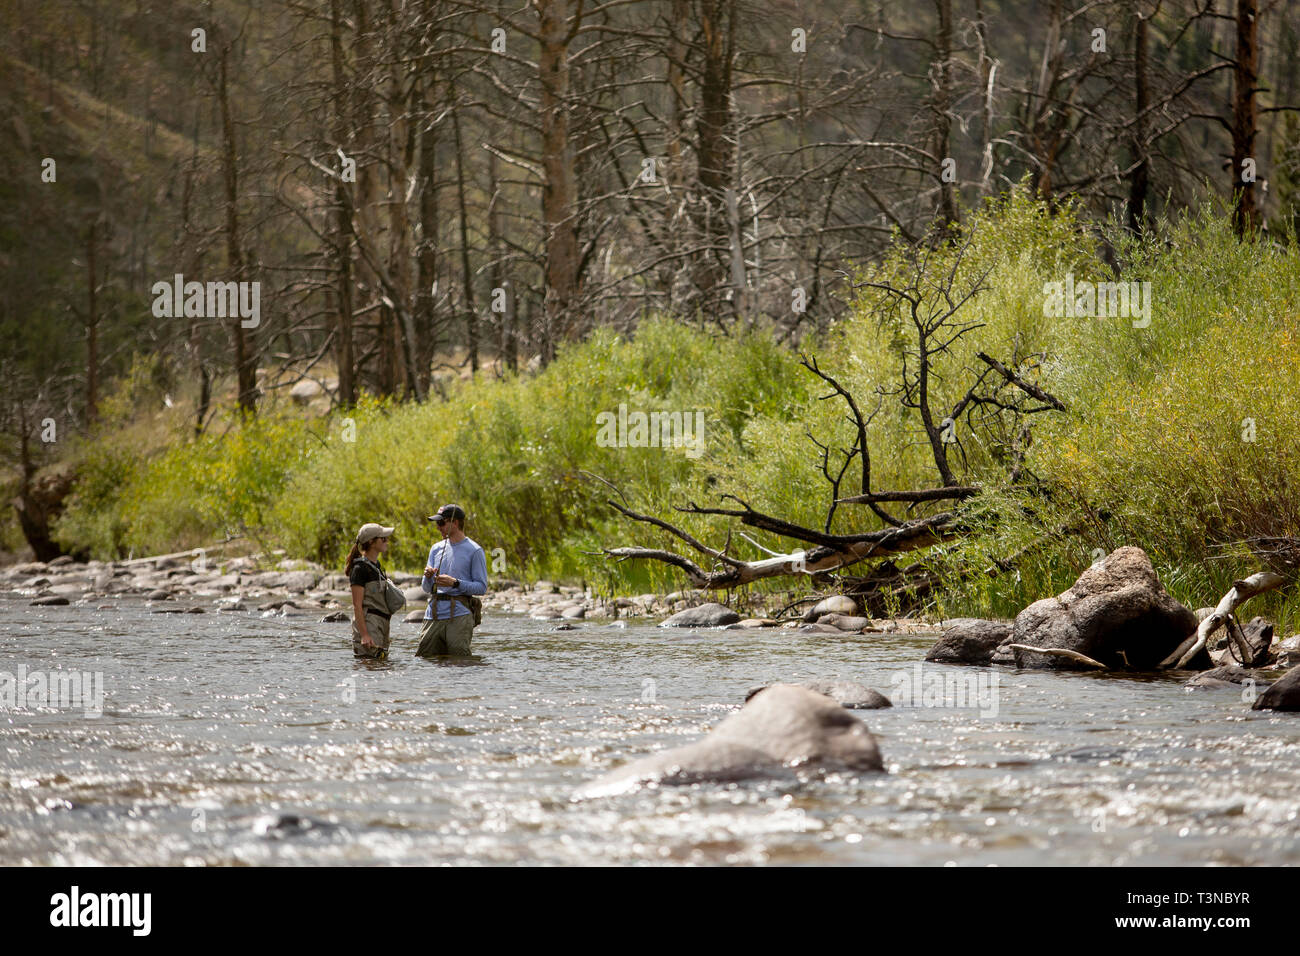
(233, 738)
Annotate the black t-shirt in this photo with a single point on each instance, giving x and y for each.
(363, 572)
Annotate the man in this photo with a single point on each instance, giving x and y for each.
(457, 568)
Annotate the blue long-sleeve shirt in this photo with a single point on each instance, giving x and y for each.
(464, 561)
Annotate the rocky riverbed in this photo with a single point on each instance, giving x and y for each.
(176, 584)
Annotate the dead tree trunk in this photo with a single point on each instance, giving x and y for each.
(425, 300)
(467, 277)
(715, 147)
(943, 100)
(245, 339)
(343, 345)
(1140, 179)
(92, 328)
(559, 189)
(1245, 76)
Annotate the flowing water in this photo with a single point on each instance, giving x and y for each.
(234, 738)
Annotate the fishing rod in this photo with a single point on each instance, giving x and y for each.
(437, 569)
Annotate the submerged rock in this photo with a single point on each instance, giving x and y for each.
(846, 693)
(819, 628)
(1116, 613)
(969, 640)
(844, 622)
(783, 727)
(1230, 675)
(279, 826)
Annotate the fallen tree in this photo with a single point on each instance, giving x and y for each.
(998, 404)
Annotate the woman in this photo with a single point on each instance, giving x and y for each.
(373, 595)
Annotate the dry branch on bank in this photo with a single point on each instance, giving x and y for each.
(1238, 594)
(997, 403)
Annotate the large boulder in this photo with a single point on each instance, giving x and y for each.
(820, 628)
(304, 391)
(1288, 651)
(969, 640)
(835, 604)
(847, 693)
(706, 615)
(298, 580)
(1117, 613)
(782, 728)
(1284, 695)
(1259, 638)
(845, 622)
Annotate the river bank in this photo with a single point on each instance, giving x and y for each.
(196, 584)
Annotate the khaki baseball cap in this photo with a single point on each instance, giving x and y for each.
(371, 531)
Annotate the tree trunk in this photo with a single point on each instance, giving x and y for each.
(471, 313)
(92, 331)
(425, 304)
(245, 351)
(715, 150)
(559, 191)
(1245, 76)
(500, 280)
(943, 114)
(344, 356)
(1138, 185)
(400, 258)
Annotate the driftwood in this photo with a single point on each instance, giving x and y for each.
(1059, 652)
(1238, 594)
(829, 552)
(190, 553)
